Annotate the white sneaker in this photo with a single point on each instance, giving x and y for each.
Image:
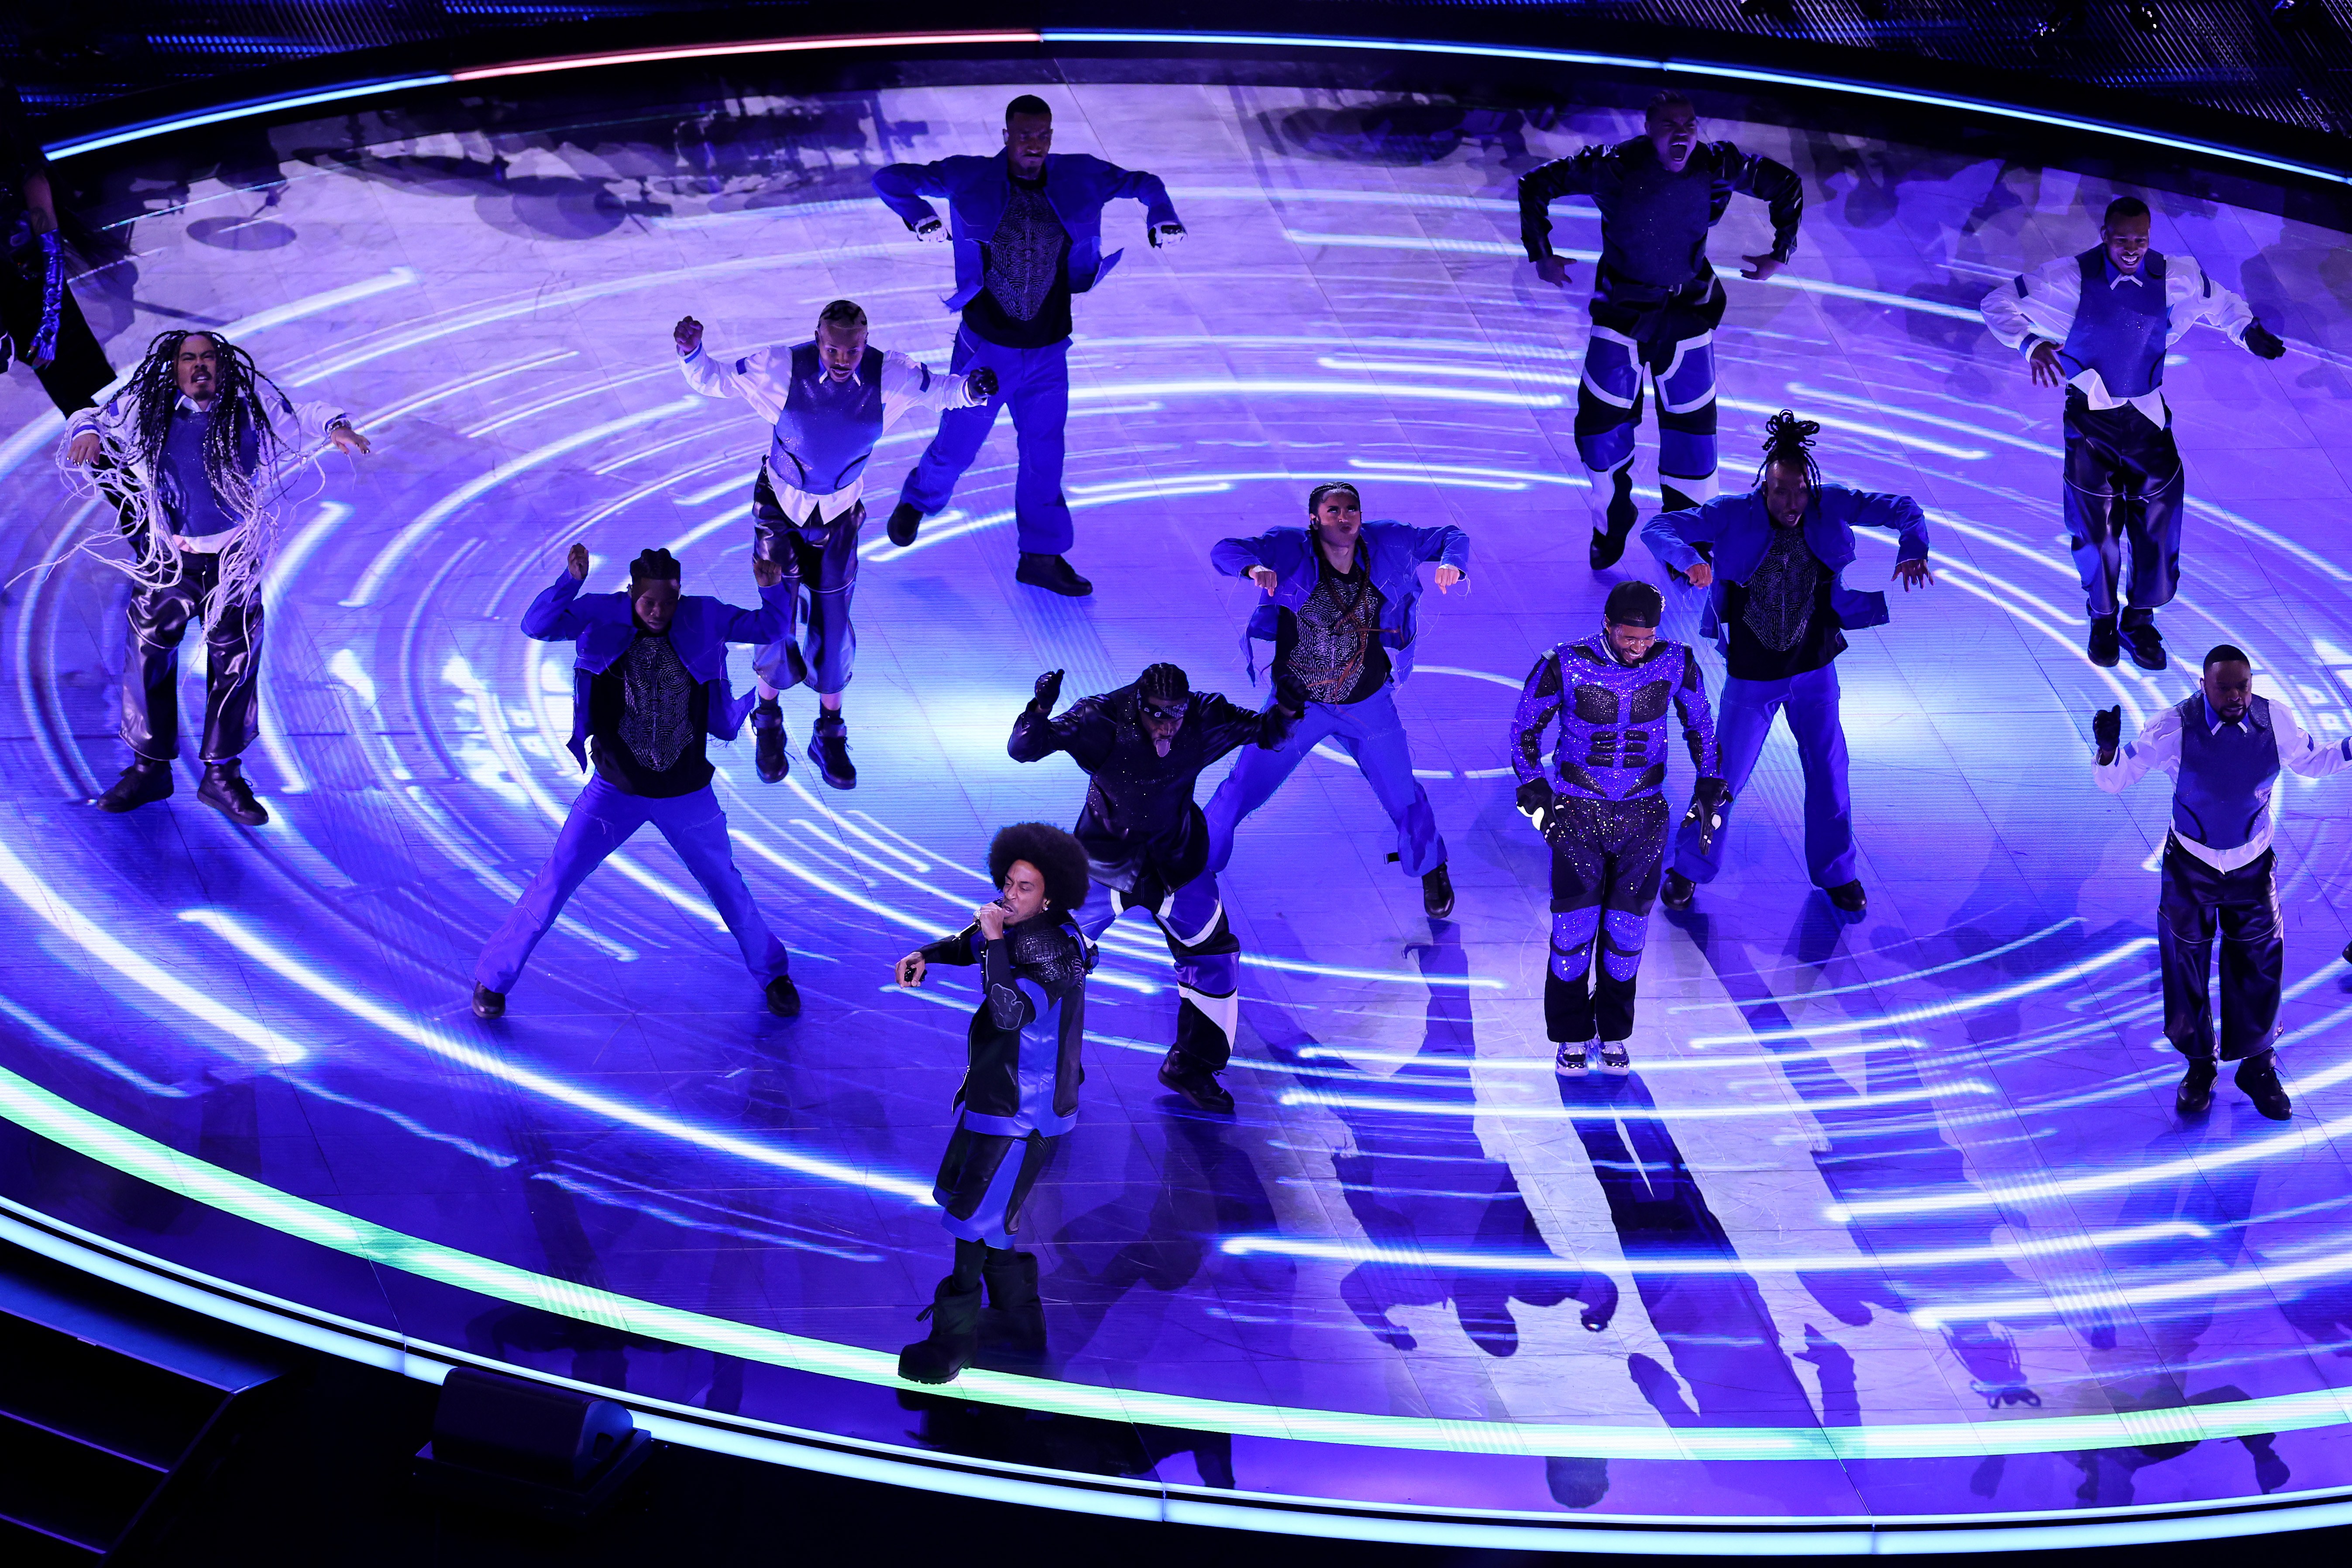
(1615, 1059)
(1572, 1061)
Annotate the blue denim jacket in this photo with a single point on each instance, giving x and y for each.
(1392, 553)
(603, 625)
(977, 189)
(1740, 530)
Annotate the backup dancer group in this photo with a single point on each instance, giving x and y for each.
(197, 450)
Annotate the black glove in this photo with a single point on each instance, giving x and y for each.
(1710, 798)
(1047, 691)
(2263, 343)
(1538, 802)
(1274, 727)
(981, 383)
(2108, 729)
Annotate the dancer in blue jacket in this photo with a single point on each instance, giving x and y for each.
(1340, 601)
(1772, 560)
(649, 686)
(1026, 224)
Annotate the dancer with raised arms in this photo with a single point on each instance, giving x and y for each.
(828, 400)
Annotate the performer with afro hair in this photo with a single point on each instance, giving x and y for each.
(1019, 1089)
(1772, 559)
(649, 690)
(1144, 747)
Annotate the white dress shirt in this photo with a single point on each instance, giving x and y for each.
(2159, 746)
(2054, 289)
(763, 379)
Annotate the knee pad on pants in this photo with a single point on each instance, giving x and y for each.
(1622, 936)
(1573, 934)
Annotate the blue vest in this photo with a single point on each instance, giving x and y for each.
(2224, 783)
(2120, 330)
(188, 497)
(828, 428)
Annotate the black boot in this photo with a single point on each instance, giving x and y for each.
(783, 997)
(1437, 894)
(1195, 1083)
(2258, 1076)
(1052, 574)
(905, 521)
(955, 1336)
(1848, 897)
(1015, 1318)
(488, 1003)
(828, 748)
(1678, 891)
(143, 783)
(2146, 643)
(224, 789)
(2106, 644)
(768, 741)
(2196, 1090)
(1609, 545)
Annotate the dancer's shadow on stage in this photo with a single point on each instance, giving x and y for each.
(1421, 1184)
(1401, 133)
(1728, 1368)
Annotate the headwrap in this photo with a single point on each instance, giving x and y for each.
(1633, 603)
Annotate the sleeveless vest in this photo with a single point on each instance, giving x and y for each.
(2224, 787)
(2119, 331)
(828, 428)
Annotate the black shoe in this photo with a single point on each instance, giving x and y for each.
(143, 783)
(1848, 897)
(1052, 574)
(1609, 545)
(783, 997)
(2196, 1090)
(954, 1339)
(2146, 643)
(1437, 894)
(2258, 1076)
(488, 1003)
(224, 789)
(768, 744)
(1015, 1318)
(1678, 891)
(2106, 646)
(905, 521)
(1195, 1083)
(828, 748)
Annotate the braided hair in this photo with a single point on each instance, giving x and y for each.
(1788, 439)
(238, 414)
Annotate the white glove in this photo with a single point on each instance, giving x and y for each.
(1166, 235)
(931, 231)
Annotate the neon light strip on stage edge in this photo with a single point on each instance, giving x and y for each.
(39, 1111)
(1264, 40)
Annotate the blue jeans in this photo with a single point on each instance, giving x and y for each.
(1034, 383)
(1740, 725)
(600, 821)
(1372, 734)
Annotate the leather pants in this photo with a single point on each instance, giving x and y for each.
(150, 678)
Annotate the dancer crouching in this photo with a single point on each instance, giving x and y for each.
(1020, 1092)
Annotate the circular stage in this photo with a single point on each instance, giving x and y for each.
(1893, 1230)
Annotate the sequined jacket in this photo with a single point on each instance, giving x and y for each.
(1139, 824)
(604, 624)
(1033, 981)
(1738, 530)
(976, 190)
(1613, 720)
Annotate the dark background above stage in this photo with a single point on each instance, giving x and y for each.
(2280, 73)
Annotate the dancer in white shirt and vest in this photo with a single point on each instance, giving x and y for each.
(2100, 324)
(830, 399)
(2224, 747)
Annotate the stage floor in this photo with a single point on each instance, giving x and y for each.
(1894, 1218)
